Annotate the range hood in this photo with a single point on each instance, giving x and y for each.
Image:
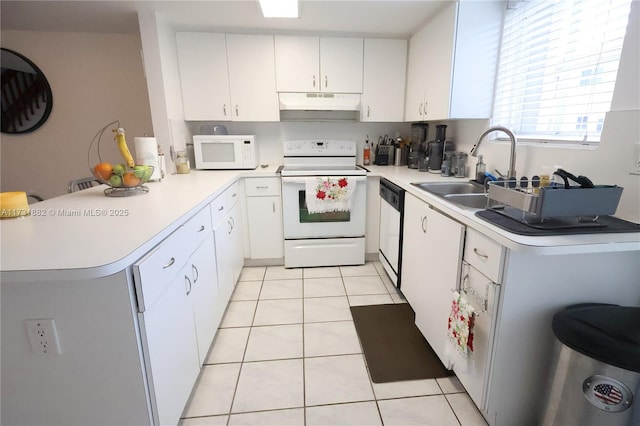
(319, 101)
(319, 106)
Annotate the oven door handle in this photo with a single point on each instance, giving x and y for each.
(303, 180)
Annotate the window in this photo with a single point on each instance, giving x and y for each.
(558, 67)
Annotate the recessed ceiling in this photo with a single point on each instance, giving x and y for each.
(363, 17)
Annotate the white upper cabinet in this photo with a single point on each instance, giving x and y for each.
(252, 78)
(384, 80)
(227, 77)
(297, 64)
(204, 79)
(319, 64)
(453, 61)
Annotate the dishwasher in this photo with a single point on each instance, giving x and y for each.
(391, 221)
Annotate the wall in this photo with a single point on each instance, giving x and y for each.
(95, 79)
(613, 159)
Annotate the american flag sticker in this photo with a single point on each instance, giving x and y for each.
(607, 393)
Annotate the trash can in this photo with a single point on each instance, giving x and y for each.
(595, 375)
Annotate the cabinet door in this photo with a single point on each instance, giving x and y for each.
(252, 78)
(222, 237)
(416, 68)
(384, 80)
(236, 246)
(297, 64)
(438, 55)
(172, 348)
(431, 268)
(341, 61)
(204, 295)
(204, 79)
(265, 227)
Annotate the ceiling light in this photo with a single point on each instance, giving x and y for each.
(279, 8)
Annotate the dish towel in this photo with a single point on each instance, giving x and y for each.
(460, 327)
(328, 194)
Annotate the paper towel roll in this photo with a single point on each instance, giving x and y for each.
(147, 154)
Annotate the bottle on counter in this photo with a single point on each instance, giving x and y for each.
(366, 157)
(161, 163)
(182, 163)
(481, 168)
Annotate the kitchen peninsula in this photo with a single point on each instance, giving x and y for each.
(73, 263)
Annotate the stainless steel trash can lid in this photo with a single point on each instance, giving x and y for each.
(606, 333)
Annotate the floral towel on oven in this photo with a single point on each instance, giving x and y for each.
(460, 327)
(328, 194)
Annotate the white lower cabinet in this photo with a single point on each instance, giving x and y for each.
(229, 253)
(204, 295)
(264, 218)
(431, 259)
(172, 348)
(482, 294)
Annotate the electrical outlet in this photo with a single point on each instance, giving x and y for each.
(43, 336)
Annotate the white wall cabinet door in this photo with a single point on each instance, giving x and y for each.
(252, 78)
(385, 64)
(204, 78)
(172, 347)
(431, 264)
(204, 295)
(416, 68)
(453, 62)
(297, 64)
(341, 61)
(325, 64)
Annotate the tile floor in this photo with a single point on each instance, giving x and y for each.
(287, 353)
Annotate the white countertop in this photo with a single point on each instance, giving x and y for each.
(538, 245)
(87, 234)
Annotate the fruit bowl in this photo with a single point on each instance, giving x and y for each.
(123, 181)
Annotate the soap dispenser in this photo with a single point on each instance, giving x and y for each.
(481, 168)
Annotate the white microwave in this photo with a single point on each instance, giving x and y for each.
(213, 152)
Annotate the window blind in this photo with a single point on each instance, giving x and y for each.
(558, 67)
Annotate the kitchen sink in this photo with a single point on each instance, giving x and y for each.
(467, 195)
(449, 188)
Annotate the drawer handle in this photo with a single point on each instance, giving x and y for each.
(234, 195)
(196, 273)
(187, 281)
(171, 262)
(476, 251)
(262, 187)
(424, 224)
(220, 208)
(201, 228)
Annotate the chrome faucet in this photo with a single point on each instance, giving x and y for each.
(512, 159)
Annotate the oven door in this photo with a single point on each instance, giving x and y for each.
(299, 223)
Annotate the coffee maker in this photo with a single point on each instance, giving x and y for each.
(436, 149)
(418, 147)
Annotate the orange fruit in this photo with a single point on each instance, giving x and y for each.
(130, 179)
(103, 170)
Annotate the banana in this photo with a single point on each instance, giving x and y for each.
(124, 149)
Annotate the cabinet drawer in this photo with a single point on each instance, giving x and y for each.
(154, 272)
(198, 227)
(219, 209)
(484, 254)
(258, 187)
(233, 194)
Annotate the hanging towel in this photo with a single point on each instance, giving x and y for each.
(460, 327)
(328, 194)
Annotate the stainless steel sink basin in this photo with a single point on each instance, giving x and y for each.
(448, 188)
(472, 201)
(463, 194)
